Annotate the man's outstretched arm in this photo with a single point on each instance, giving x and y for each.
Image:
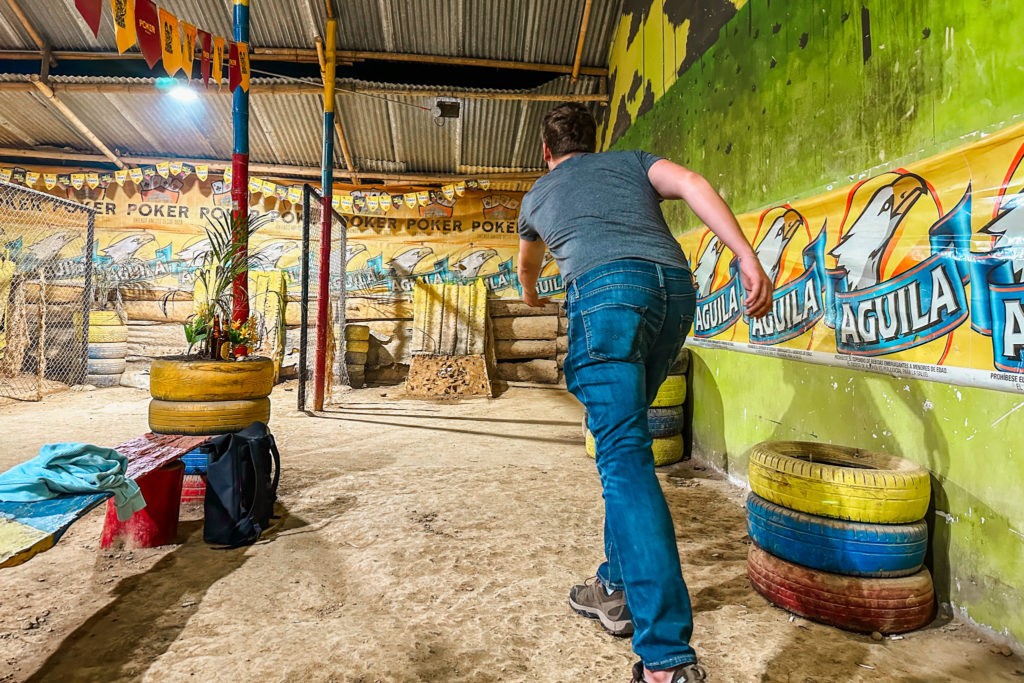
(531, 256)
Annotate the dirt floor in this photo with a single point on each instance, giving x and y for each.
(419, 542)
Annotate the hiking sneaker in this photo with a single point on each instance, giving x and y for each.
(684, 674)
(591, 600)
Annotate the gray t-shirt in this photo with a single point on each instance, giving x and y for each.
(596, 208)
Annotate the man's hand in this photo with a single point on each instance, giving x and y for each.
(758, 286)
(530, 298)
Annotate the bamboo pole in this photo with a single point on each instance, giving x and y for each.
(75, 121)
(29, 28)
(579, 43)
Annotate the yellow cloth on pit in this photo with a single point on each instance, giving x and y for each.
(449, 319)
(7, 270)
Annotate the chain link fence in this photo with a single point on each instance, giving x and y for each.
(46, 260)
(335, 370)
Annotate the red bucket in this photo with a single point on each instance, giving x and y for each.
(193, 488)
(157, 523)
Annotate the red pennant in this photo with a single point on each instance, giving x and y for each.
(147, 31)
(205, 50)
(91, 11)
(234, 70)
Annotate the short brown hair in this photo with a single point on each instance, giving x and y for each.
(568, 128)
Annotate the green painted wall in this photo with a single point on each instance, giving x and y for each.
(783, 106)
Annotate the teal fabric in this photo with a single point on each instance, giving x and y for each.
(73, 468)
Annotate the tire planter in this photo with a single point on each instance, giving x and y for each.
(357, 346)
(210, 380)
(886, 605)
(103, 381)
(108, 350)
(107, 334)
(206, 417)
(355, 358)
(664, 422)
(357, 333)
(105, 366)
(839, 482)
(672, 392)
(853, 548)
(667, 450)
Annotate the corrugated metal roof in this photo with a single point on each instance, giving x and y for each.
(387, 133)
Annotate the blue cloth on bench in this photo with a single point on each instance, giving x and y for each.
(73, 468)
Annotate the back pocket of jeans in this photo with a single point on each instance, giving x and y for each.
(614, 331)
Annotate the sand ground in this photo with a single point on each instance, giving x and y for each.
(419, 542)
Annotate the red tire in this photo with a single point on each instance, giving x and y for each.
(854, 603)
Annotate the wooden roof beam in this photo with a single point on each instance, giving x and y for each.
(73, 119)
(579, 42)
(308, 55)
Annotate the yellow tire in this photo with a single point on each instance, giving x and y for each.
(206, 417)
(210, 380)
(104, 319)
(667, 451)
(839, 482)
(357, 333)
(672, 392)
(357, 346)
(103, 334)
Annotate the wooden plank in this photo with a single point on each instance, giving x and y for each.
(544, 371)
(507, 308)
(563, 325)
(562, 343)
(27, 529)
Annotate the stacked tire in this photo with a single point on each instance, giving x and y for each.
(108, 346)
(357, 347)
(838, 535)
(201, 397)
(666, 417)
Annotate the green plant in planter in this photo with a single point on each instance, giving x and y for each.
(210, 327)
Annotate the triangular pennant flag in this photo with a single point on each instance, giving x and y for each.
(170, 42)
(32, 178)
(147, 30)
(163, 168)
(91, 11)
(175, 168)
(460, 188)
(92, 180)
(281, 191)
(243, 66)
(268, 188)
(121, 176)
(449, 192)
(50, 180)
(346, 203)
(5, 175)
(373, 202)
(136, 175)
(124, 23)
(255, 185)
(227, 176)
(205, 41)
(295, 195)
(63, 179)
(218, 61)
(336, 202)
(202, 171)
(105, 180)
(423, 197)
(18, 175)
(410, 200)
(385, 202)
(484, 183)
(188, 48)
(186, 170)
(77, 180)
(234, 74)
(148, 172)
(397, 200)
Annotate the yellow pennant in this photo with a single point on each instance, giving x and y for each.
(484, 183)
(124, 23)
(295, 195)
(255, 185)
(336, 202)
(31, 178)
(423, 197)
(5, 175)
(217, 71)
(50, 180)
(121, 176)
(170, 42)
(373, 202)
(92, 180)
(202, 171)
(77, 180)
(449, 192)
(460, 188)
(410, 200)
(269, 188)
(243, 65)
(346, 203)
(188, 47)
(135, 174)
(163, 168)
(227, 177)
(175, 168)
(385, 202)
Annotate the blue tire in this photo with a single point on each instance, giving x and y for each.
(836, 546)
(665, 422)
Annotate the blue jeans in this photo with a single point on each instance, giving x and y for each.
(627, 323)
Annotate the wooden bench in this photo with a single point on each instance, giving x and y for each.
(27, 529)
